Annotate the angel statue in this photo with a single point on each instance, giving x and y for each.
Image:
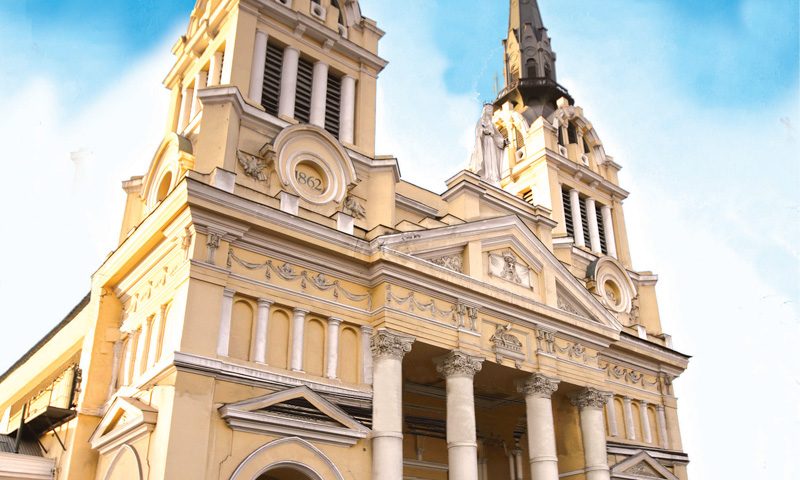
(487, 156)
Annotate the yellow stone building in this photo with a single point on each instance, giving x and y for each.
(282, 305)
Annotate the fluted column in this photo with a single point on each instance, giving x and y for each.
(645, 419)
(611, 412)
(366, 354)
(594, 230)
(215, 69)
(661, 419)
(200, 82)
(224, 336)
(591, 402)
(388, 349)
(291, 56)
(332, 347)
(577, 220)
(347, 111)
(262, 327)
(298, 330)
(187, 96)
(627, 413)
(608, 229)
(319, 93)
(257, 67)
(459, 369)
(538, 390)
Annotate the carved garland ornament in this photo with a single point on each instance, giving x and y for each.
(538, 385)
(387, 344)
(591, 398)
(458, 364)
(288, 272)
(628, 375)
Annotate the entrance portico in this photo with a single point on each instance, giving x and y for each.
(463, 417)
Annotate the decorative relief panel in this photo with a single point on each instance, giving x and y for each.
(459, 315)
(290, 273)
(450, 262)
(506, 345)
(575, 352)
(507, 266)
(630, 376)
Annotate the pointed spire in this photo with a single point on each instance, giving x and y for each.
(530, 63)
(528, 50)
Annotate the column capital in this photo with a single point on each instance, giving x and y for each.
(263, 302)
(389, 344)
(366, 329)
(334, 321)
(458, 364)
(591, 398)
(538, 385)
(300, 311)
(228, 292)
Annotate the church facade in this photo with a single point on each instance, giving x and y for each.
(282, 305)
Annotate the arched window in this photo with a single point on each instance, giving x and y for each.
(533, 68)
(287, 473)
(572, 134)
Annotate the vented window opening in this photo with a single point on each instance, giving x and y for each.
(333, 104)
(584, 221)
(567, 212)
(601, 229)
(302, 105)
(271, 91)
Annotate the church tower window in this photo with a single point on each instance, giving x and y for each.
(572, 134)
(570, 225)
(305, 76)
(333, 104)
(272, 78)
(601, 230)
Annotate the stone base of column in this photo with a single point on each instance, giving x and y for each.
(387, 456)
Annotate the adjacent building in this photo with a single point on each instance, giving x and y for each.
(283, 305)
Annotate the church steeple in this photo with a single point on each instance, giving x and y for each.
(530, 63)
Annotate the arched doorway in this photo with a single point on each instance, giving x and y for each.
(288, 472)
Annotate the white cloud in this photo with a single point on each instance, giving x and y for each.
(58, 226)
(426, 127)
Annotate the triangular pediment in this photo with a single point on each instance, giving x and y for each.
(297, 411)
(512, 251)
(126, 419)
(641, 467)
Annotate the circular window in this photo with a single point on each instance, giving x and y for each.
(311, 180)
(612, 293)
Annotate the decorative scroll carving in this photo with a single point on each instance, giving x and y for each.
(466, 316)
(575, 351)
(353, 207)
(506, 266)
(506, 345)
(212, 244)
(289, 273)
(388, 344)
(450, 262)
(591, 398)
(412, 304)
(538, 385)
(545, 341)
(629, 375)
(458, 364)
(563, 304)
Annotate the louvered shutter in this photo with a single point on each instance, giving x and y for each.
(302, 106)
(333, 104)
(272, 78)
(601, 229)
(567, 212)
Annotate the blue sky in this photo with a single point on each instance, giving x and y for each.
(697, 99)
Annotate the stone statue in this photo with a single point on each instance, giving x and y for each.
(487, 157)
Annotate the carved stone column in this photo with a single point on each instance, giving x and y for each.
(538, 390)
(257, 67)
(224, 336)
(594, 230)
(388, 350)
(332, 347)
(286, 102)
(593, 429)
(577, 221)
(627, 413)
(459, 369)
(661, 419)
(262, 329)
(298, 332)
(647, 435)
(319, 93)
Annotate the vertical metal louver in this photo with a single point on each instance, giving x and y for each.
(601, 229)
(528, 196)
(333, 103)
(567, 212)
(585, 223)
(272, 78)
(305, 75)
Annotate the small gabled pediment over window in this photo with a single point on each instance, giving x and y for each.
(126, 420)
(296, 412)
(641, 467)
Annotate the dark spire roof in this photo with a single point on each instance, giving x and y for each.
(530, 62)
